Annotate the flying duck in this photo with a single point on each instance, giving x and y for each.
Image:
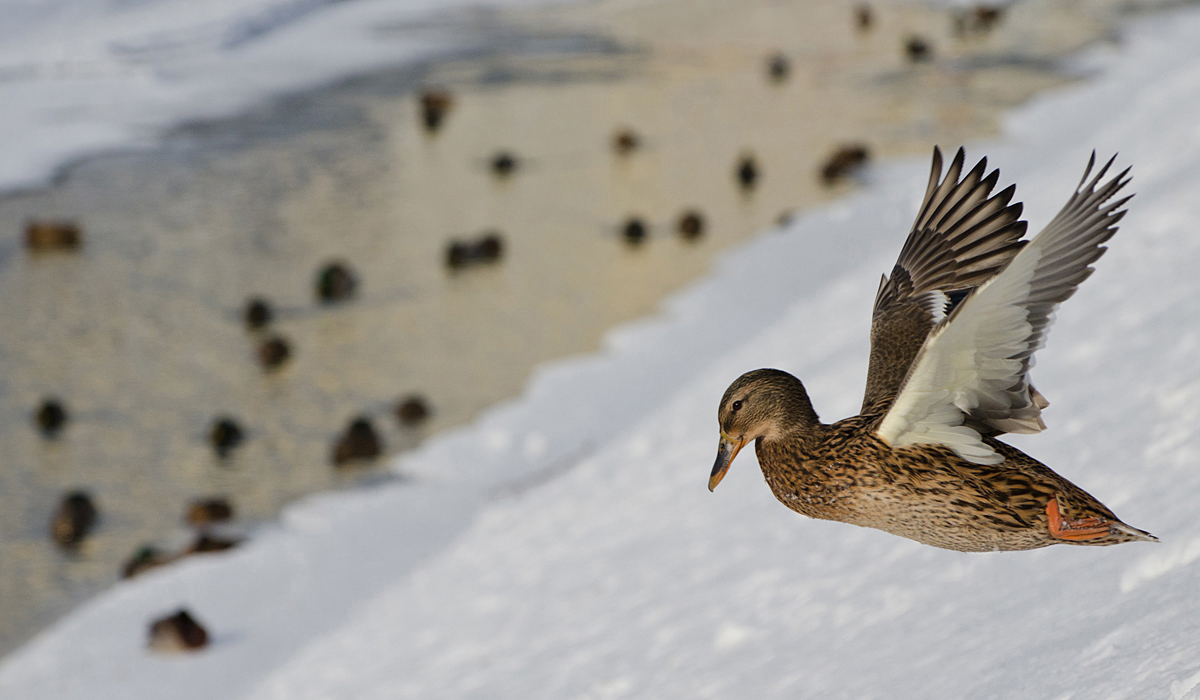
(953, 334)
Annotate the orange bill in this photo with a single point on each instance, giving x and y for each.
(726, 451)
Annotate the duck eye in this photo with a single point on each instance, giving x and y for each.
(736, 405)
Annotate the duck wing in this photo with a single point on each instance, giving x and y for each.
(971, 375)
(962, 236)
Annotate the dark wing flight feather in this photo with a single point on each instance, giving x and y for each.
(962, 236)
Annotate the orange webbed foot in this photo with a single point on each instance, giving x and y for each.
(1075, 530)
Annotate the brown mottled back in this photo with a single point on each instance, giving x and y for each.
(843, 472)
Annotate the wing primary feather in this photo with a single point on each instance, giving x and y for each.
(935, 176)
(943, 190)
(971, 184)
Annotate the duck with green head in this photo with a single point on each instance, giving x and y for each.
(953, 334)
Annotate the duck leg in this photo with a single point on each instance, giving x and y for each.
(1081, 529)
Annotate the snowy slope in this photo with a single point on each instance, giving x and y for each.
(82, 76)
(567, 546)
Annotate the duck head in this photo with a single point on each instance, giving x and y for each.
(765, 404)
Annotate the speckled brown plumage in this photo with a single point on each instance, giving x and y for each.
(949, 494)
(844, 472)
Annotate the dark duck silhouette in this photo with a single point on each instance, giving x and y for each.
(953, 335)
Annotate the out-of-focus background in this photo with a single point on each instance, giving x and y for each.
(256, 250)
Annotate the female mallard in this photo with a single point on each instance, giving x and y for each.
(953, 334)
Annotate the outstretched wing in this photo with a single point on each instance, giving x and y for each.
(972, 373)
(962, 236)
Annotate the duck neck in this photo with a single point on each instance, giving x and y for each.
(798, 422)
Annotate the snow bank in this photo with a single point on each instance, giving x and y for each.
(566, 546)
(81, 76)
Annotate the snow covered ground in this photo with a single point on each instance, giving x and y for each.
(566, 546)
(81, 76)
